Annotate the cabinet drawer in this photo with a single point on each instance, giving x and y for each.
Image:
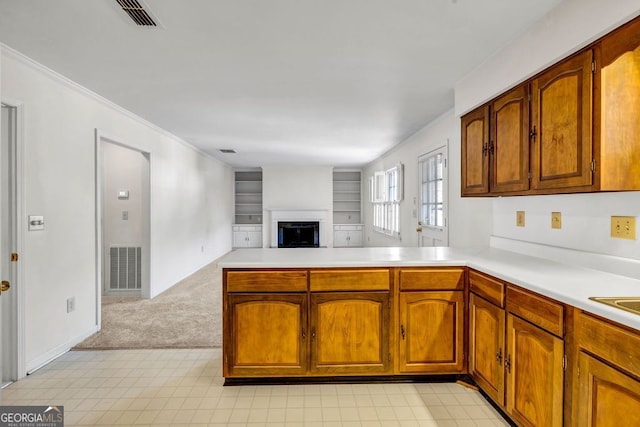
(616, 344)
(487, 287)
(266, 281)
(540, 311)
(428, 279)
(349, 280)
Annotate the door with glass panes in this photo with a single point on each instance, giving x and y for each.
(432, 206)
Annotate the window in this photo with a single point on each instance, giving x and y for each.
(386, 194)
(432, 194)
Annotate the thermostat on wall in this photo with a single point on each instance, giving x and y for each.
(123, 194)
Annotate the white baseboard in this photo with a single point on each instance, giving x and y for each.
(51, 355)
(627, 267)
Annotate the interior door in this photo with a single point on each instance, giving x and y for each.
(433, 194)
(8, 237)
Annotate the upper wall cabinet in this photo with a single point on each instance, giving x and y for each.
(575, 127)
(619, 100)
(561, 118)
(475, 146)
(509, 144)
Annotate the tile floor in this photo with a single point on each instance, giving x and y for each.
(184, 387)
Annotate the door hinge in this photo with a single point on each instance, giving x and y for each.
(445, 163)
(593, 165)
(578, 371)
(593, 66)
(14, 257)
(533, 133)
(564, 362)
(530, 176)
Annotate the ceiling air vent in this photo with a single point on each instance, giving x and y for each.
(137, 12)
(228, 151)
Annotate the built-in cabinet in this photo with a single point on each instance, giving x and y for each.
(541, 362)
(521, 367)
(347, 208)
(431, 320)
(571, 128)
(247, 236)
(247, 229)
(607, 373)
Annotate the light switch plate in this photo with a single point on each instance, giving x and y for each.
(623, 227)
(36, 222)
(520, 218)
(556, 220)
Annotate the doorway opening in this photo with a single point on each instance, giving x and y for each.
(12, 298)
(123, 223)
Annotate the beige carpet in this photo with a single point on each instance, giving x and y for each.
(188, 315)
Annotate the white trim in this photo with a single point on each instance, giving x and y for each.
(4, 49)
(51, 355)
(20, 230)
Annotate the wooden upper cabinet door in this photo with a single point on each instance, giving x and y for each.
(431, 335)
(534, 375)
(620, 109)
(266, 335)
(486, 346)
(606, 396)
(475, 150)
(561, 116)
(350, 333)
(509, 144)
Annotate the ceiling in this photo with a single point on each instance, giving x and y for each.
(332, 82)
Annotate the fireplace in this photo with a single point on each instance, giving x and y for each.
(299, 234)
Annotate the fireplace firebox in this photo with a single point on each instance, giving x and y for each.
(300, 234)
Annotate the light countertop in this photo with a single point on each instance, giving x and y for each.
(563, 282)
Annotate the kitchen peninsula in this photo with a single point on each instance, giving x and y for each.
(496, 315)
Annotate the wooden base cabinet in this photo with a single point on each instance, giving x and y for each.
(607, 380)
(607, 397)
(350, 333)
(535, 375)
(486, 346)
(269, 334)
(431, 332)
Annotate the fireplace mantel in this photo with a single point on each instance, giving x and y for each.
(301, 215)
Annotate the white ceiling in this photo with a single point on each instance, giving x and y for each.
(332, 82)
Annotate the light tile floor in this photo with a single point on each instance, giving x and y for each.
(184, 387)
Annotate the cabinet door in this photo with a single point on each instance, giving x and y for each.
(431, 335)
(475, 152)
(265, 334)
(486, 346)
(340, 238)
(534, 374)
(350, 333)
(561, 118)
(254, 239)
(620, 109)
(239, 239)
(355, 238)
(509, 145)
(607, 397)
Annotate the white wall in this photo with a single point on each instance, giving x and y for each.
(191, 209)
(297, 187)
(469, 218)
(124, 170)
(565, 30)
(585, 217)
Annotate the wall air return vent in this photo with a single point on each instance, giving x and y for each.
(139, 12)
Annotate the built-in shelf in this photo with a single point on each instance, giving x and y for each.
(347, 197)
(248, 197)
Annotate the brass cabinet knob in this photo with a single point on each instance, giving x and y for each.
(5, 286)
